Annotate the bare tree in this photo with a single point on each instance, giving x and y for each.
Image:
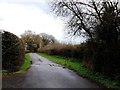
(84, 17)
(47, 39)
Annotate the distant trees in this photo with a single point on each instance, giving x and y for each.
(47, 39)
(34, 41)
(12, 51)
(31, 40)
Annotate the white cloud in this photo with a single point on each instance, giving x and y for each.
(17, 18)
(18, 1)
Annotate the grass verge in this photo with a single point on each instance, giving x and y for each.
(26, 63)
(84, 72)
(22, 69)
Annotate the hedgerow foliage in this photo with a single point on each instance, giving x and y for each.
(12, 51)
(61, 50)
(99, 58)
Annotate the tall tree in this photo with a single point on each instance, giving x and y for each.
(84, 17)
(108, 29)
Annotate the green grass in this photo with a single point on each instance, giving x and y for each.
(26, 63)
(84, 72)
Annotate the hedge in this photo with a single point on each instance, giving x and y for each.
(13, 51)
(98, 57)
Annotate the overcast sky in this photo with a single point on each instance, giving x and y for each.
(17, 16)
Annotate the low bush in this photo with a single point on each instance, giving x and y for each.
(69, 51)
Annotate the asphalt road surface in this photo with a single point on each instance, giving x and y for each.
(46, 74)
